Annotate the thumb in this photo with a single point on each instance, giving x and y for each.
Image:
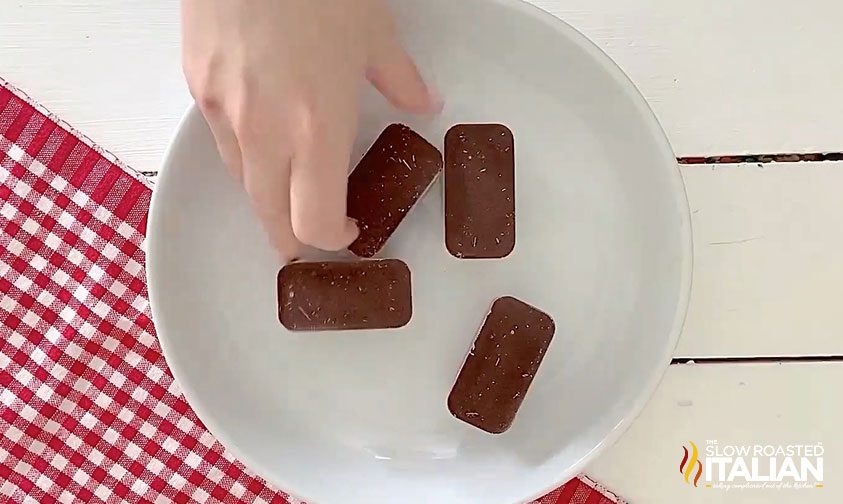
(393, 73)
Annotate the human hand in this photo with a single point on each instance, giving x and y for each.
(278, 82)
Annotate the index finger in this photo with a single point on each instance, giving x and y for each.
(319, 182)
(266, 178)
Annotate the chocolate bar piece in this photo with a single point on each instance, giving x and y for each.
(501, 365)
(393, 175)
(479, 191)
(341, 296)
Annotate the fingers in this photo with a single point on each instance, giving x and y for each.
(318, 183)
(227, 145)
(266, 178)
(264, 171)
(205, 92)
(393, 72)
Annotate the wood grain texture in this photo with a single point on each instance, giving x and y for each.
(768, 278)
(725, 78)
(734, 404)
(768, 275)
(751, 76)
(111, 69)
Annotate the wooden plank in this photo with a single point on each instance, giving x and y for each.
(768, 278)
(111, 69)
(733, 404)
(751, 76)
(733, 77)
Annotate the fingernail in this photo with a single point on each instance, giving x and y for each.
(285, 259)
(354, 227)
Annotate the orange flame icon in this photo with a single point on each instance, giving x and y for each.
(689, 464)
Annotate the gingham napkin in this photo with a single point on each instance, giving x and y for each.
(89, 411)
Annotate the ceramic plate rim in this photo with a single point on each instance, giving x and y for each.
(660, 141)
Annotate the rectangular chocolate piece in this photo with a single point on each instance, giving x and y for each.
(501, 365)
(479, 191)
(340, 296)
(393, 175)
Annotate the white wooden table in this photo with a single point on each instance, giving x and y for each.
(724, 77)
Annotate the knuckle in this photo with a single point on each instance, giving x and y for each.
(306, 125)
(204, 95)
(208, 103)
(200, 83)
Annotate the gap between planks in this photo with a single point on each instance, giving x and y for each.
(736, 159)
(812, 157)
(762, 158)
(756, 360)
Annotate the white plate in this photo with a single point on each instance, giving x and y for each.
(603, 245)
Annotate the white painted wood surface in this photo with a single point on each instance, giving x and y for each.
(768, 274)
(735, 404)
(752, 76)
(110, 68)
(726, 76)
(723, 77)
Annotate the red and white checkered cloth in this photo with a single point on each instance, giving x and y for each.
(89, 411)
